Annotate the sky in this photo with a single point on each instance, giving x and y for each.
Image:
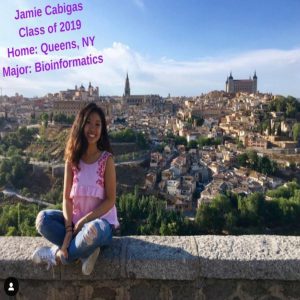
(178, 47)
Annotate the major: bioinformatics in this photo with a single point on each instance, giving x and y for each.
(65, 64)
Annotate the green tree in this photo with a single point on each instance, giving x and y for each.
(18, 220)
(291, 110)
(13, 150)
(272, 214)
(204, 141)
(63, 119)
(13, 171)
(146, 215)
(217, 216)
(192, 144)
(51, 117)
(279, 129)
(141, 140)
(296, 132)
(44, 117)
(180, 140)
(253, 159)
(251, 210)
(242, 159)
(197, 121)
(265, 165)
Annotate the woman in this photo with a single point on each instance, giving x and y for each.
(89, 212)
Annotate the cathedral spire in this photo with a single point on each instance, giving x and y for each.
(127, 87)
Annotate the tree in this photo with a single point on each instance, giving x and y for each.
(204, 141)
(279, 129)
(230, 220)
(18, 220)
(141, 140)
(283, 191)
(197, 121)
(192, 144)
(289, 106)
(242, 159)
(253, 159)
(180, 140)
(264, 165)
(13, 150)
(296, 132)
(62, 118)
(269, 128)
(280, 104)
(13, 171)
(169, 229)
(220, 214)
(240, 145)
(291, 110)
(32, 117)
(251, 210)
(44, 117)
(205, 218)
(274, 167)
(272, 214)
(51, 117)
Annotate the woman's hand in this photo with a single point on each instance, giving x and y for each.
(62, 252)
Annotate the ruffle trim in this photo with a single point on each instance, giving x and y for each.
(86, 191)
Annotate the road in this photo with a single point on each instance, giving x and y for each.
(31, 200)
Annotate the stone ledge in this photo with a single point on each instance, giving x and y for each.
(166, 258)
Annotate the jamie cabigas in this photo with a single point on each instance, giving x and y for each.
(43, 66)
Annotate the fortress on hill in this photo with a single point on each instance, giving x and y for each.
(241, 85)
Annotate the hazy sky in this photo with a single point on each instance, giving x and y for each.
(181, 47)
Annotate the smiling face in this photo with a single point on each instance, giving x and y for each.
(92, 128)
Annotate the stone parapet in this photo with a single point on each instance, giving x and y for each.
(156, 267)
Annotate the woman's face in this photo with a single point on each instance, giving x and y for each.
(92, 128)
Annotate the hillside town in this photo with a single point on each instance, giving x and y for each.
(186, 173)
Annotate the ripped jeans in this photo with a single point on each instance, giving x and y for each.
(51, 225)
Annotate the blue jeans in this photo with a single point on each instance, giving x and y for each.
(51, 225)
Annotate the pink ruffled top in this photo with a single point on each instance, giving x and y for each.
(88, 190)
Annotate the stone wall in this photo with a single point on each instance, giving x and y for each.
(153, 267)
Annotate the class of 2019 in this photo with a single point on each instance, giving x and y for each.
(49, 11)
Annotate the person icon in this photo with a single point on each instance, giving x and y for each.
(11, 287)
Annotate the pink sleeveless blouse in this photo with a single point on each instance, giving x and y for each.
(88, 190)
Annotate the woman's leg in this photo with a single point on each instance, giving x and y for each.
(51, 225)
(93, 235)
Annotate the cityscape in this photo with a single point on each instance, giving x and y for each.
(184, 151)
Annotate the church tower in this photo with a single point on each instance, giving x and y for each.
(127, 87)
(229, 84)
(255, 83)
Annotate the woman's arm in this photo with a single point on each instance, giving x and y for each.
(67, 204)
(110, 192)
(67, 201)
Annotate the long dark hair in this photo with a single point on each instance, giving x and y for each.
(77, 143)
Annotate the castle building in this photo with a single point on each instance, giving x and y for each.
(138, 99)
(71, 101)
(241, 85)
(89, 94)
